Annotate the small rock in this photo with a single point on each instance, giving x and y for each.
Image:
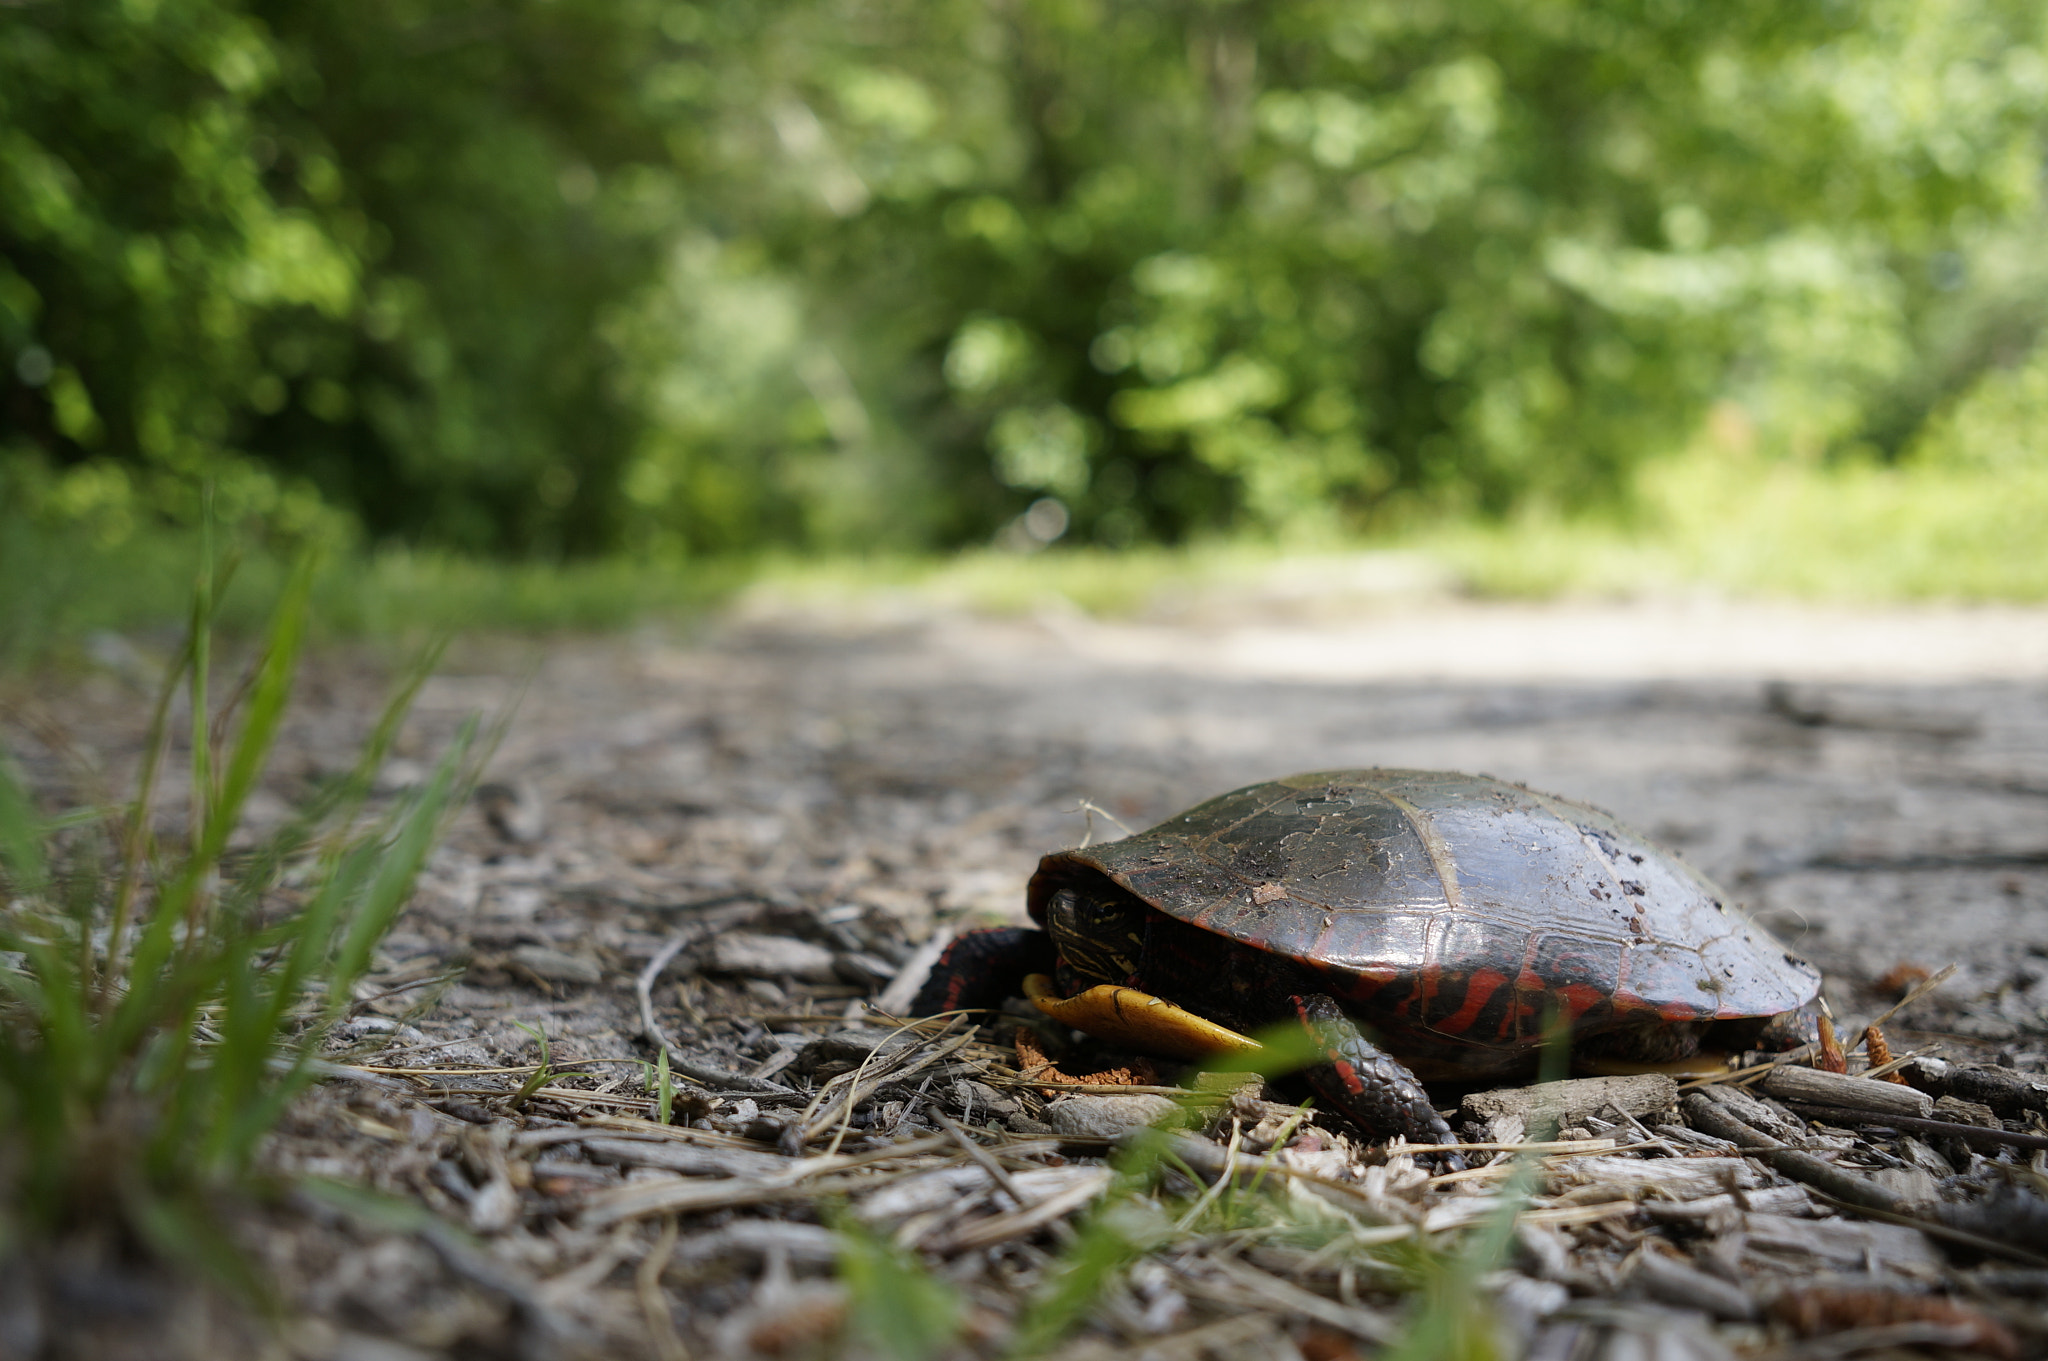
(557, 967)
(752, 956)
(514, 810)
(1107, 1117)
(512, 902)
(971, 1095)
(494, 1207)
(863, 970)
(398, 775)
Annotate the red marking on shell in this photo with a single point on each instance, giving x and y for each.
(1578, 999)
(1483, 984)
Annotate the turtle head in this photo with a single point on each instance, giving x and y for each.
(1099, 932)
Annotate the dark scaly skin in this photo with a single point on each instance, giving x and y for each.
(1363, 1082)
(982, 968)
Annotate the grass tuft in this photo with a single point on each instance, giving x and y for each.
(161, 1000)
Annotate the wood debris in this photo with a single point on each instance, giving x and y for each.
(1034, 1066)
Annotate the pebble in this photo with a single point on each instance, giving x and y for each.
(556, 966)
(754, 956)
(1106, 1117)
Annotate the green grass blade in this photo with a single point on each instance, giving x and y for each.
(266, 707)
(388, 891)
(201, 634)
(21, 842)
(252, 748)
(180, 1229)
(900, 1310)
(135, 834)
(1109, 1240)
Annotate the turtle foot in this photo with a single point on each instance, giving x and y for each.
(1363, 1082)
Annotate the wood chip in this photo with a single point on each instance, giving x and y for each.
(1672, 1178)
(1234, 1284)
(1851, 1093)
(775, 957)
(1552, 1105)
(1667, 1279)
(1054, 1192)
(686, 1158)
(1708, 1109)
(1845, 1242)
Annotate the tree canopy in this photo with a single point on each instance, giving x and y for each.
(561, 276)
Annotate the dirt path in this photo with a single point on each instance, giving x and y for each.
(1874, 787)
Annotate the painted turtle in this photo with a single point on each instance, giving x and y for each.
(1447, 917)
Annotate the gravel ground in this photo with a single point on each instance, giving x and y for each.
(1872, 786)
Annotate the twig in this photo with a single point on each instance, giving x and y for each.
(859, 1084)
(1215, 1189)
(1920, 990)
(983, 1159)
(1936, 1229)
(1716, 1119)
(661, 1326)
(1981, 1134)
(1090, 808)
(702, 1074)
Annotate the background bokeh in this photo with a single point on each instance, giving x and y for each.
(555, 280)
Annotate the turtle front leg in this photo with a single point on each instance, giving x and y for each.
(1790, 1029)
(981, 968)
(1362, 1082)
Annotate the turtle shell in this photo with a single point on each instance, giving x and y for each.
(1454, 905)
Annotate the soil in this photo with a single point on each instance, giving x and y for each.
(1872, 786)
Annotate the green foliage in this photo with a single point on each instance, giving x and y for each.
(899, 1309)
(1859, 530)
(1191, 268)
(160, 1003)
(693, 278)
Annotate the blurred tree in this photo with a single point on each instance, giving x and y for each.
(359, 247)
(146, 234)
(557, 276)
(1196, 265)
